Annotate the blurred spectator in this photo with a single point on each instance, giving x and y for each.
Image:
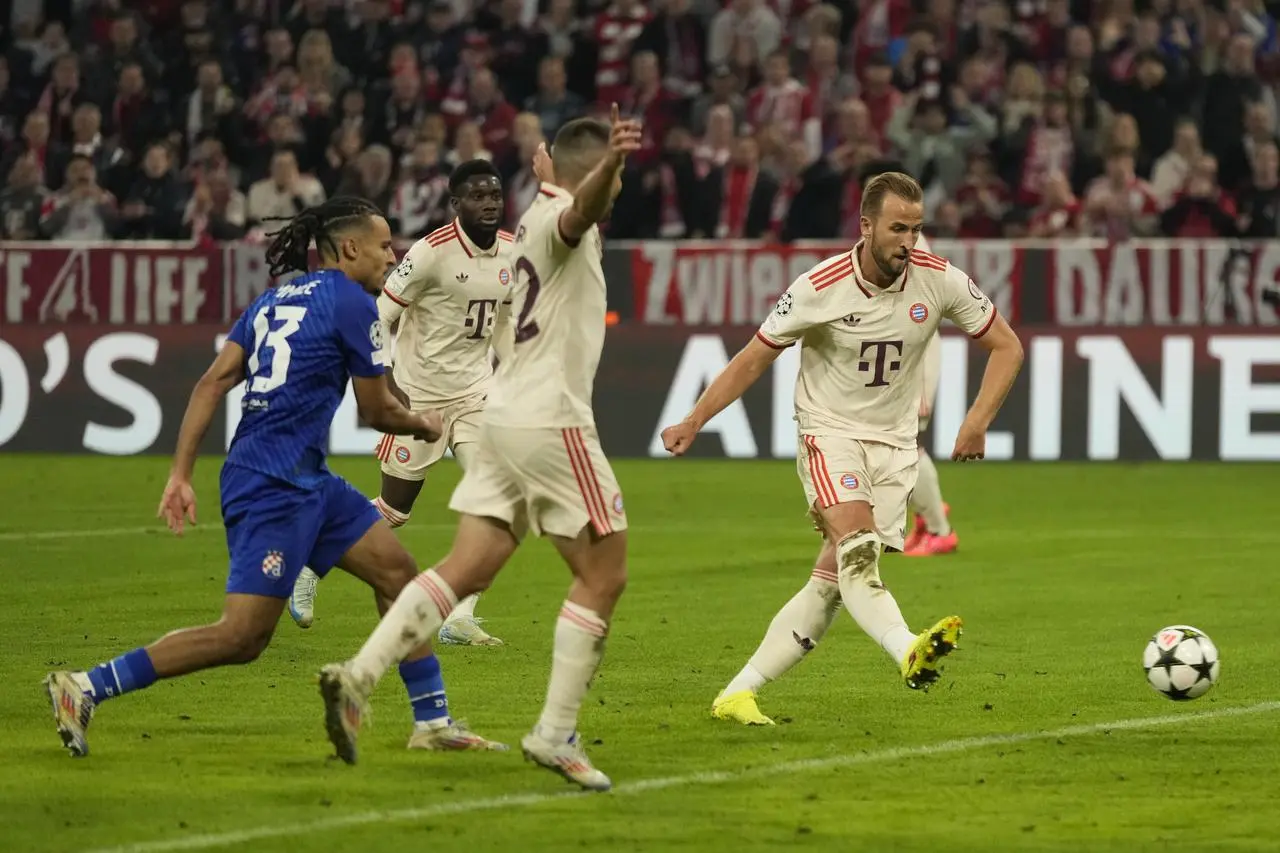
(807, 205)
(82, 210)
(724, 90)
(1260, 202)
(519, 182)
(22, 201)
(553, 103)
(613, 32)
(285, 192)
(982, 199)
(154, 204)
(743, 21)
(677, 37)
(648, 100)
(137, 117)
(468, 144)
(1059, 211)
(933, 151)
(785, 104)
(420, 203)
(738, 197)
(1201, 209)
(1170, 173)
(1118, 204)
(216, 210)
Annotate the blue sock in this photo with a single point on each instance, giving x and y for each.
(127, 673)
(426, 689)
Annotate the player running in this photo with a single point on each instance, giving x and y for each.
(451, 295)
(539, 465)
(294, 348)
(865, 319)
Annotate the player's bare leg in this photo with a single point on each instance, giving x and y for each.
(794, 632)
(462, 628)
(933, 534)
(381, 560)
(394, 510)
(481, 547)
(239, 637)
(850, 527)
(599, 567)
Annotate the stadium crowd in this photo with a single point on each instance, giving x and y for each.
(190, 119)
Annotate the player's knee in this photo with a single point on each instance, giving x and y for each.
(244, 645)
(398, 571)
(608, 580)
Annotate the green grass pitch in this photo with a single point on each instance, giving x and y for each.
(1064, 573)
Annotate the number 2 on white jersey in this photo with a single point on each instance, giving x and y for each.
(278, 340)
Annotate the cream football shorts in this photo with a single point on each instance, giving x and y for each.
(834, 470)
(406, 458)
(552, 481)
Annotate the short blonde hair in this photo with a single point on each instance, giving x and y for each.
(900, 184)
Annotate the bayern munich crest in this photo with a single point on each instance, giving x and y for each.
(504, 276)
(617, 503)
(402, 454)
(849, 481)
(273, 564)
(918, 312)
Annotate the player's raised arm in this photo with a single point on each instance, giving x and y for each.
(785, 325)
(599, 186)
(970, 309)
(178, 503)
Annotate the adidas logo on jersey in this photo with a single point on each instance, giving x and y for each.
(462, 278)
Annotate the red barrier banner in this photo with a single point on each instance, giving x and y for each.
(716, 283)
(1164, 283)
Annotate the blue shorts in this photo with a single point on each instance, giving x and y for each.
(275, 528)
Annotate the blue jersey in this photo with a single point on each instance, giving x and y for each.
(303, 340)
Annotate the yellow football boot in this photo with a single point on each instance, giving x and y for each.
(920, 668)
(739, 707)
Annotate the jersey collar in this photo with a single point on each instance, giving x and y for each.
(554, 191)
(470, 247)
(870, 290)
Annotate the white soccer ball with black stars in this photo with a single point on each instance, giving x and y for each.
(1181, 662)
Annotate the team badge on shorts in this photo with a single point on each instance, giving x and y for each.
(617, 503)
(402, 454)
(918, 312)
(273, 564)
(849, 481)
(504, 276)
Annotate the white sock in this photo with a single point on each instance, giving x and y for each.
(417, 614)
(928, 497)
(793, 633)
(579, 646)
(870, 604)
(466, 608)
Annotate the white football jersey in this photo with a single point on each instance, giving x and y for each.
(559, 305)
(449, 296)
(863, 348)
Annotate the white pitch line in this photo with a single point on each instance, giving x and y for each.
(754, 525)
(716, 777)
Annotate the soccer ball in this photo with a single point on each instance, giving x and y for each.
(1181, 662)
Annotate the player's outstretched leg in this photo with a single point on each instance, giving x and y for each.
(794, 632)
(238, 637)
(379, 559)
(480, 548)
(463, 627)
(932, 534)
(599, 566)
(851, 526)
(302, 601)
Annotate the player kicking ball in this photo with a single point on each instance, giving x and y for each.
(295, 349)
(539, 466)
(864, 320)
(452, 296)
